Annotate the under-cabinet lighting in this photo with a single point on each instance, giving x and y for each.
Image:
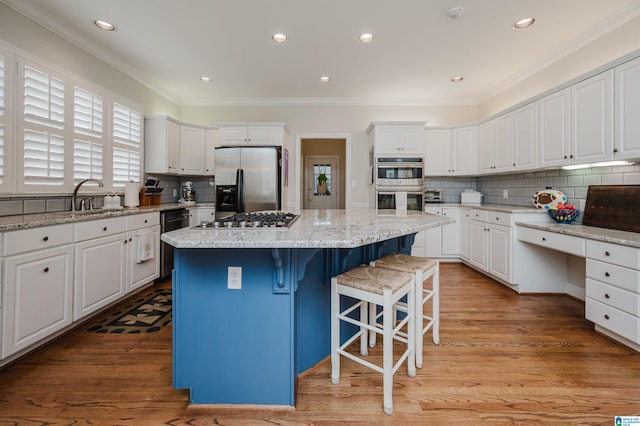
(602, 164)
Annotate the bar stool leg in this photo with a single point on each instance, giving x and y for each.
(364, 319)
(335, 333)
(387, 353)
(419, 313)
(436, 306)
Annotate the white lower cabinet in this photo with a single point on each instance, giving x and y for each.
(440, 242)
(490, 243)
(613, 289)
(465, 229)
(99, 273)
(139, 272)
(37, 298)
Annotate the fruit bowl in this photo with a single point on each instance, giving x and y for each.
(564, 216)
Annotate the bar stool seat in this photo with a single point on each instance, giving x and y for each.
(422, 268)
(381, 287)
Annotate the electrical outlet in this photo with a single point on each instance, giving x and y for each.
(234, 278)
(505, 193)
(175, 192)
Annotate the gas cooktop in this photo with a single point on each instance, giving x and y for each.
(275, 220)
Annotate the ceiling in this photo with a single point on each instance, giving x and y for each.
(169, 44)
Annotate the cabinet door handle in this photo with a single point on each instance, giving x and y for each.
(46, 269)
(45, 238)
(497, 218)
(606, 253)
(544, 239)
(146, 221)
(104, 229)
(615, 150)
(606, 274)
(606, 296)
(125, 241)
(606, 316)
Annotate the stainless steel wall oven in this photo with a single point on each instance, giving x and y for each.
(399, 174)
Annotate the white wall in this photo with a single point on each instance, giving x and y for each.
(607, 48)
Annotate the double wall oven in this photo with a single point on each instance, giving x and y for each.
(399, 174)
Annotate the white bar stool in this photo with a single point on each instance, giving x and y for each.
(378, 287)
(422, 268)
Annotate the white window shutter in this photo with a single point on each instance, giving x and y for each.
(43, 130)
(2, 118)
(127, 144)
(89, 138)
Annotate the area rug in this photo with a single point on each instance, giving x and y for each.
(146, 313)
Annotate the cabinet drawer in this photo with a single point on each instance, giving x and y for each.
(560, 242)
(614, 253)
(480, 215)
(37, 238)
(613, 319)
(144, 220)
(613, 296)
(99, 228)
(499, 218)
(618, 276)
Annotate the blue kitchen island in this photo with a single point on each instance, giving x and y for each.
(248, 345)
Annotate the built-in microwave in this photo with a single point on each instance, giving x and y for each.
(399, 171)
(386, 199)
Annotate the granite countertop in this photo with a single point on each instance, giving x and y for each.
(11, 223)
(313, 229)
(504, 208)
(613, 236)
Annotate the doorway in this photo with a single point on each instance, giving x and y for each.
(323, 173)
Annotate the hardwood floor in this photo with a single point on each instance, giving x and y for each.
(503, 359)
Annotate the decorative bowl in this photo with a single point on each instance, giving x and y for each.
(564, 216)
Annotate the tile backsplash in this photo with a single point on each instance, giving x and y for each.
(13, 205)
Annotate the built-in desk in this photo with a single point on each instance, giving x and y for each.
(611, 273)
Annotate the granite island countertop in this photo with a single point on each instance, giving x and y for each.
(313, 229)
(504, 208)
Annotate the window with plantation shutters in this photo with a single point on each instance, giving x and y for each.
(88, 135)
(42, 129)
(126, 144)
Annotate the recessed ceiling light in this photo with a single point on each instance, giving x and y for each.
(325, 79)
(366, 38)
(205, 79)
(279, 38)
(523, 23)
(457, 79)
(107, 26)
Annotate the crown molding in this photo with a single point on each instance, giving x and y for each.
(625, 15)
(332, 102)
(46, 20)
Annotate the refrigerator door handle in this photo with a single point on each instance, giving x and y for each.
(240, 190)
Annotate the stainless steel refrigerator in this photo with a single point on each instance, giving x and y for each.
(248, 179)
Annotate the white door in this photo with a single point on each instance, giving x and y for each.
(322, 182)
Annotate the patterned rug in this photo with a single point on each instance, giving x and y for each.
(146, 313)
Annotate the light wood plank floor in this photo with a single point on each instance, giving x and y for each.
(503, 359)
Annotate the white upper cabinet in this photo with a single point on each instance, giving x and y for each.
(554, 129)
(503, 143)
(450, 152)
(464, 141)
(263, 134)
(627, 105)
(162, 145)
(525, 137)
(397, 138)
(192, 150)
(592, 119)
(437, 154)
(213, 140)
(485, 147)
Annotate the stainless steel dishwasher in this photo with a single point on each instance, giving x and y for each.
(170, 220)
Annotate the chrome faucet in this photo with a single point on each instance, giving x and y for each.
(75, 192)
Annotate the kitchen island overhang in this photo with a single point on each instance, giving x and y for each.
(248, 345)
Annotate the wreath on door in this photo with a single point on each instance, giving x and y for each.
(322, 184)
